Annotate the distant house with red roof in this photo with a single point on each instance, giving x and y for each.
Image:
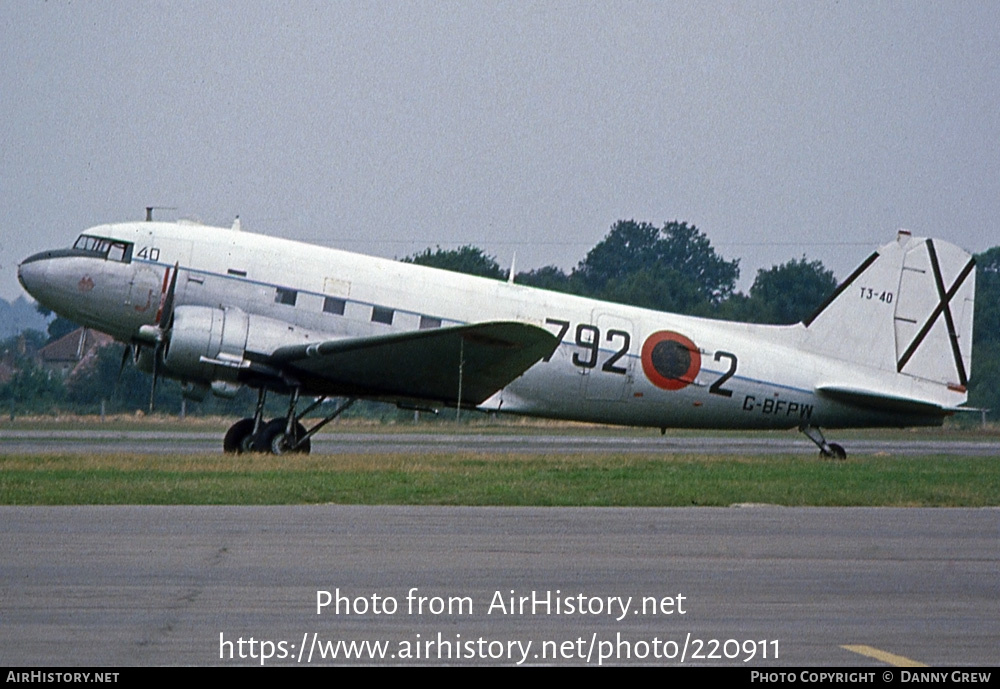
(73, 352)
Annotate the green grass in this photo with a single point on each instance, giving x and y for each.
(498, 479)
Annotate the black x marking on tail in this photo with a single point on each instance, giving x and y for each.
(944, 306)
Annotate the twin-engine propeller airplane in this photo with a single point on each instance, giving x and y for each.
(219, 308)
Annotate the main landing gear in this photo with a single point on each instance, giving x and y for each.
(826, 450)
(279, 435)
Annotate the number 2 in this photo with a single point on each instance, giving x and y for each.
(716, 387)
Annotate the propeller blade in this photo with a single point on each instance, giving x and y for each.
(156, 373)
(121, 367)
(164, 317)
(165, 310)
(116, 390)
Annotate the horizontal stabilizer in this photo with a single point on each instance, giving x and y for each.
(878, 401)
(464, 364)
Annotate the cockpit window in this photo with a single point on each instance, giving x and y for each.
(109, 249)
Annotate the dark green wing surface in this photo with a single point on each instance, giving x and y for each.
(429, 365)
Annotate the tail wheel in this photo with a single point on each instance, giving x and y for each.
(836, 452)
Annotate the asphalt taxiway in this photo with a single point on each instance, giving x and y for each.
(123, 586)
(145, 585)
(193, 442)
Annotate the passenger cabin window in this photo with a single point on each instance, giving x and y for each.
(285, 296)
(427, 323)
(334, 305)
(382, 315)
(101, 247)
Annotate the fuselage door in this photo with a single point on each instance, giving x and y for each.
(611, 379)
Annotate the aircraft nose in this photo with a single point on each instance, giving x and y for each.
(31, 272)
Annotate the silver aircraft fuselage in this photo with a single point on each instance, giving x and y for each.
(613, 364)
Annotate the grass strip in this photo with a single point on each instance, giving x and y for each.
(498, 479)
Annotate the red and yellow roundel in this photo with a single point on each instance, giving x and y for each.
(670, 360)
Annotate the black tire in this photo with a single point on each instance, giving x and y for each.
(262, 442)
(238, 437)
(838, 452)
(272, 436)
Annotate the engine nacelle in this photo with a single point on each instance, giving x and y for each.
(206, 343)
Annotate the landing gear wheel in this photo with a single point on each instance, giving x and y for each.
(262, 441)
(836, 452)
(272, 439)
(239, 437)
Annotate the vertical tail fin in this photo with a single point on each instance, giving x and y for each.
(907, 309)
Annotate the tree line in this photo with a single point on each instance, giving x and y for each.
(671, 268)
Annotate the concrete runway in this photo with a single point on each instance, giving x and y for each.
(160, 442)
(118, 586)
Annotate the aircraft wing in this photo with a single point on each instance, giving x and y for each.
(871, 399)
(442, 365)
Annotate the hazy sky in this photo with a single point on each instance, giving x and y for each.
(778, 128)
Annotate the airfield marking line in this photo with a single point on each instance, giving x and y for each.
(884, 656)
